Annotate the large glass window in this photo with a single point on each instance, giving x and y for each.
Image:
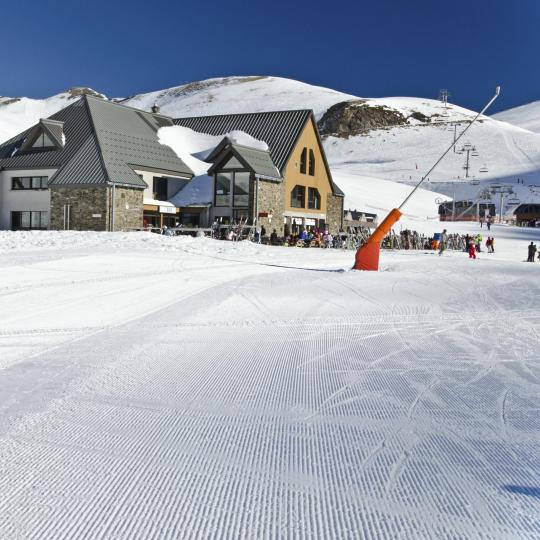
(314, 199)
(222, 195)
(160, 188)
(29, 182)
(29, 220)
(241, 190)
(311, 162)
(298, 197)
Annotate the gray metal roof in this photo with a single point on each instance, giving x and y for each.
(279, 130)
(255, 160)
(104, 142)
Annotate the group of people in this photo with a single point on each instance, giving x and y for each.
(473, 244)
(305, 238)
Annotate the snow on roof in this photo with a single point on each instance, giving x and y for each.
(192, 147)
(155, 202)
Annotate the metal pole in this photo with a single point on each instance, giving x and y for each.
(256, 200)
(497, 92)
(455, 133)
(454, 206)
(500, 210)
(113, 206)
(467, 164)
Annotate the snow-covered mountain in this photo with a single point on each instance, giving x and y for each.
(526, 116)
(394, 138)
(20, 113)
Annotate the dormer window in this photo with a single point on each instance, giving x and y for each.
(47, 135)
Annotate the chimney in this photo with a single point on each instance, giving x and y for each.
(155, 108)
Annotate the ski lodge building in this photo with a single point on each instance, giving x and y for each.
(98, 165)
(287, 186)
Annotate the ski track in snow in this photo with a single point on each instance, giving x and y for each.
(238, 400)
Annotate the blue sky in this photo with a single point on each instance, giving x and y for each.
(376, 48)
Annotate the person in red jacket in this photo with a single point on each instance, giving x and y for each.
(472, 250)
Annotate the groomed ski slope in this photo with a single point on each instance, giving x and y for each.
(164, 388)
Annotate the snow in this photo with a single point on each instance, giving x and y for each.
(156, 202)
(177, 387)
(526, 116)
(373, 195)
(230, 95)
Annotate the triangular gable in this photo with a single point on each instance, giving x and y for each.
(233, 163)
(45, 134)
(227, 154)
(311, 119)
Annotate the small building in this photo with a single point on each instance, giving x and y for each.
(357, 218)
(527, 215)
(465, 210)
(285, 185)
(94, 165)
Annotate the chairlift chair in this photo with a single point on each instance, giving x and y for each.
(475, 182)
(513, 200)
(475, 153)
(483, 169)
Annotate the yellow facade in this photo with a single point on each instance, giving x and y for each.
(292, 175)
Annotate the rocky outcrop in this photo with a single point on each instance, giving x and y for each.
(77, 91)
(356, 116)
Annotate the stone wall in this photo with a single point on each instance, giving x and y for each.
(128, 208)
(334, 213)
(85, 201)
(91, 205)
(271, 198)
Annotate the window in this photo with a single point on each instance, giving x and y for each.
(43, 141)
(303, 161)
(314, 199)
(298, 197)
(241, 190)
(222, 189)
(311, 162)
(29, 220)
(160, 188)
(29, 182)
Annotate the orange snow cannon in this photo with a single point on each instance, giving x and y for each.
(367, 256)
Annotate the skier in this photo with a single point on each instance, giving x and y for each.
(274, 238)
(472, 250)
(478, 240)
(442, 244)
(488, 223)
(532, 251)
(489, 245)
